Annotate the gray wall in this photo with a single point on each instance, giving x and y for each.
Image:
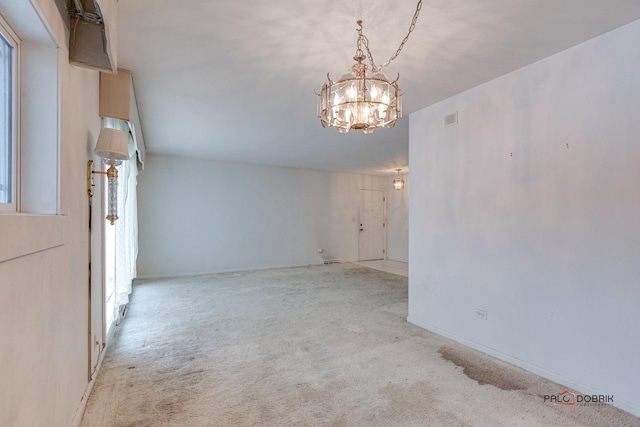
(206, 216)
(398, 220)
(529, 209)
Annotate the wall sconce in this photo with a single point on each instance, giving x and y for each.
(112, 147)
(398, 183)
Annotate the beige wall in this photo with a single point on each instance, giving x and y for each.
(44, 258)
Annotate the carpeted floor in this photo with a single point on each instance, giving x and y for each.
(313, 346)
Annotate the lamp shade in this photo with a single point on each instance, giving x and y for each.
(112, 143)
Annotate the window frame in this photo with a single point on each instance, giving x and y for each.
(13, 40)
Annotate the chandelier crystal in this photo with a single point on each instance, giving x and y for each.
(359, 100)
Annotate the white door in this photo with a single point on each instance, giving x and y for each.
(372, 226)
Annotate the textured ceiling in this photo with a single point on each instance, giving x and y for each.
(235, 80)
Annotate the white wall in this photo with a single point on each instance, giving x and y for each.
(205, 216)
(44, 258)
(398, 220)
(530, 210)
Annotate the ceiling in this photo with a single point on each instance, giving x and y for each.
(235, 80)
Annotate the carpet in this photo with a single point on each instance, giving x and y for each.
(312, 346)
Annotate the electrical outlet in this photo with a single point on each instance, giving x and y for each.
(481, 314)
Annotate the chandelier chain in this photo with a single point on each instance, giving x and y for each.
(365, 40)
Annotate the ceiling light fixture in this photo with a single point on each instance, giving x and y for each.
(360, 101)
(398, 183)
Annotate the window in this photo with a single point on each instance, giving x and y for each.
(8, 118)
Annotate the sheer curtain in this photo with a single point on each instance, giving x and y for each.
(126, 231)
(126, 251)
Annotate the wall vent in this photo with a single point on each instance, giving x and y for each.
(92, 38)
(451, 119)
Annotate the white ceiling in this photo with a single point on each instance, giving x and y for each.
(235, 80)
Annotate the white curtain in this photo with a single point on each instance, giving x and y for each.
(126, 231)
(127, 223)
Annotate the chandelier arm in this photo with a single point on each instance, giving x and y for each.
(406, 38)
(331, 81)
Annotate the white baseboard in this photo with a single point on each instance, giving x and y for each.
(233, 270)
(77, 418)
(398, 260)
(553, 376)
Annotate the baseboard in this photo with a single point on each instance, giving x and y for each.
(553, 376)
(398, 260)
(77, 418)
(233, 270)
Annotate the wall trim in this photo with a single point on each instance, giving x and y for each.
(31, 234)
(232, 270)
(77, 418)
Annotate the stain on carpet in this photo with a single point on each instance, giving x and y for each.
(484, 372)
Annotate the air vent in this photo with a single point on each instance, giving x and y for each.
(451, 119)
(92, 40)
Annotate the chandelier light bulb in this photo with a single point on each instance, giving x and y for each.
(352, 93)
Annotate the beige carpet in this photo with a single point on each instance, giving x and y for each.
(314, 346)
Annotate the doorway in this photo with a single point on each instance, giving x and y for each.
(371, 237)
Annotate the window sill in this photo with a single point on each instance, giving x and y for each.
(26, 234)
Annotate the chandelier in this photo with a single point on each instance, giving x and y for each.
(359, 100)
(398, 183)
